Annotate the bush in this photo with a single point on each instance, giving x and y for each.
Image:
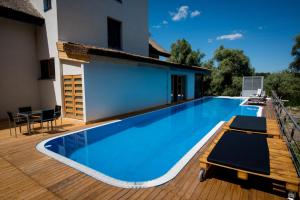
(286, 85)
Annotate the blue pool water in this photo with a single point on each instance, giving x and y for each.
(146, 147)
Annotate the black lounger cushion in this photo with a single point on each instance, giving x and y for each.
(242, 151)
(249, 123)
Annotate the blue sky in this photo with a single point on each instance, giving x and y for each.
(264, 29)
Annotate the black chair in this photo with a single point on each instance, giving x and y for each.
(57, 114)
(25, 109)
(46, 116)
(16, 121)
(28, 109)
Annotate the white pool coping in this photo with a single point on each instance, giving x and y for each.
(172, 173)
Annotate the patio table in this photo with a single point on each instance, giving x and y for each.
(28, 116)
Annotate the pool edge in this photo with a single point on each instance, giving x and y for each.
(172, 173)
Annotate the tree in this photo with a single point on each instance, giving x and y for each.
(207, 79)
(286, 85)
(209, 64)
(182, 53)
(295, 65)
(227, 76)
(233, 61)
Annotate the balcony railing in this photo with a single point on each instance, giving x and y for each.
(289, 128)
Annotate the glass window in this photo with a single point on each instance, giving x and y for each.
(47, 5)
(47, 69)
(178, 88)
(114, 33)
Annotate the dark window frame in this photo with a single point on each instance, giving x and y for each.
(47, 5)
(178, 88)
(47, 67)
(120, 47)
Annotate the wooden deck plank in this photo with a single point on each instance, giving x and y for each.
(25, 171)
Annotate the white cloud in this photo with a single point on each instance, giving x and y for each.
(234, 36)
(210, 40)
(238, 31)
(182, 13)
(261, 27)
(156, 26)
(195, 13)
(164, 23)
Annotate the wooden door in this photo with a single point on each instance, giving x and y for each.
(73, 101)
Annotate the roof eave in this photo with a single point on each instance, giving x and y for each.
(79, 51)
(20, 16)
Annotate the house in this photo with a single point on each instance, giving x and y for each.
(93, 58)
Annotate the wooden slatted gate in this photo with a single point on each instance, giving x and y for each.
(73, 101)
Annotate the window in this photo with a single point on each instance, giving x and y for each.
(47, 5)
(47, 69)
(114, 34)
(178, 88)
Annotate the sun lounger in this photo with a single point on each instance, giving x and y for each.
(244, 151)
(259, 125)
(257, 100)
(251, 154)
(258, 93)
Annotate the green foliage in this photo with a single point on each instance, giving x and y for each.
(182, 53)
(295, 65)
(226, 78)
(264, 74)
(233, 61)
(286, 85)
(209, 64)
(232, 64)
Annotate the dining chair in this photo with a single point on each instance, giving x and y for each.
(46, 116)
(25, 109)
(16, 121)
(57, 114)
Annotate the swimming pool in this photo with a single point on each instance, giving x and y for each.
(145, 150)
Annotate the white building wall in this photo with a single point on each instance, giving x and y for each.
(114, 87)
(71, 68)
(86, 22)
(47, 36)
(19, 67)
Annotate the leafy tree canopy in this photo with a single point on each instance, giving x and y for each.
(233, 61)
(226, 78)
(182, 53)
(295, 65)
(286, 85)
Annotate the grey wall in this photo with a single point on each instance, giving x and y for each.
(86, 22)
(19, 66)
(114, 87)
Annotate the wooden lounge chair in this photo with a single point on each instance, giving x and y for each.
(272, 128)
(257, 100)
(277, 164)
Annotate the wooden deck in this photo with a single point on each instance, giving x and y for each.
(27, 174)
